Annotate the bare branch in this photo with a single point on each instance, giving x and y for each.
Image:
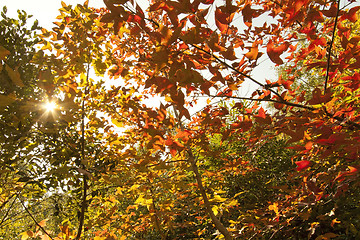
(32, 217)
(330, 47)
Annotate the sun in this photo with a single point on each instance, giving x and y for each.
(50, 106)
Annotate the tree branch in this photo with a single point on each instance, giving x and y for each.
(156, 217)
(202, 190)
(267, 100)
(207, 203)
(8, 211)
(85, 185)
(32, 217)
(330, 47)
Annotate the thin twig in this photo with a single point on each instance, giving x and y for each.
(8, 211)
(85, 185)
(330, 47)
(32, 217)
(267, 100)
(193, 161)
(175, 161)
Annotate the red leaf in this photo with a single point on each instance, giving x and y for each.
(207, 1)
(302, 165)
(168, 142)
(248, 14)
(350, 172)
(318, 97)
(173, 151)
(221, 20)
(352, 15)
(275, 52)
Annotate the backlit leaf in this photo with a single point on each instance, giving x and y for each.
(14, 76)
(3, 53)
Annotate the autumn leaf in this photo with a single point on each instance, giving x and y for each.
(248, 14)
(14, 76)
(351, 15)
(318, 97)
(3, 53)
(275, 52)
(42, 223)
(253, 53)
(301, 165)
(26, 235)
(274, 207)
(108, 17)
(6, 100)
(221, 20)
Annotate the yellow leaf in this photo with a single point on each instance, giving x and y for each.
(47, 47)
(215, 209)
(43, 223)
(143, 201)
(168, 98)
(117, 123)
(63, 4)
(3, 53)
(99, 238)
(217, 198)
(275, 208)
(26, 235)
(134, 187)
(233, 202)
(140, 200)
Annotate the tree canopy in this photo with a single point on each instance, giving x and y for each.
(149, 137)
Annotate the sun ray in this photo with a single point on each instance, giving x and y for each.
(50, 106)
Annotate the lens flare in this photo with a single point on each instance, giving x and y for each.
(50, 106)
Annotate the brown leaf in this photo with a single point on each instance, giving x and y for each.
(14, 76)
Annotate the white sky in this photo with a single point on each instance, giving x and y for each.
(45, 11)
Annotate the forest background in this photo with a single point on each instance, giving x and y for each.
(136, 121)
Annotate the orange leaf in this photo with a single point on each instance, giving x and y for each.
(253, 53)
(168, 142)
(352, 15)
(261, 113)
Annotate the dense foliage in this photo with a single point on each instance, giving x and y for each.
(149, 137)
